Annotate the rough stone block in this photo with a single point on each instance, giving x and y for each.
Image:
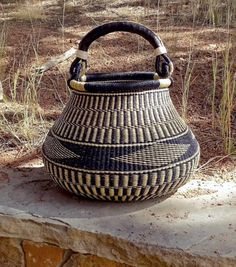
(42, 255)
(79, 260)
(11, 254)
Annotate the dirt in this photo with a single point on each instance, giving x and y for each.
(197, 192)
(55, 33)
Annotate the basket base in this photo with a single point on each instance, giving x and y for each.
(157, 199)
(120, 199)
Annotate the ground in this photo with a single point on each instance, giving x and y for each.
(32, 33)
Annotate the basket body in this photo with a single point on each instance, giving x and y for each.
(120, 146)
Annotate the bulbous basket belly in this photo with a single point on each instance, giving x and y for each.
(122, 172)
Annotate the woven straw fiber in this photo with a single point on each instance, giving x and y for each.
(120, 146)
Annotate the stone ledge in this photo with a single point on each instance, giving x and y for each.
(188, 229)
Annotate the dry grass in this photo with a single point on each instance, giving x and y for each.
(187, 79)
(22, 126)
(214, 77)
(30, 10)
(227, 104)
(21, 119)
(2, 49)
(215, 12)
(2, 40)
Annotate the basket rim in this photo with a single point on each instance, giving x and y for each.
(119, 82)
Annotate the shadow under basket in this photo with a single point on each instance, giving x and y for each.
(119, 137)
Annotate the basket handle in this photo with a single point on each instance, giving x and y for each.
(163, 65)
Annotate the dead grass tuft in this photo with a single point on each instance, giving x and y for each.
(30, 10)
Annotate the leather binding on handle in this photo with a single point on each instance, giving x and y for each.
(163, 65)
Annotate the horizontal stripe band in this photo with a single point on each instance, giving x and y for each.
(124, 172)
(117, 145)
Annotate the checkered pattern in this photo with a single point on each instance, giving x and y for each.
(122, 187)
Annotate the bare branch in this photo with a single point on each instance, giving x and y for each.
(56, 60)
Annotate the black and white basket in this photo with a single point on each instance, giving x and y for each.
(120, 137)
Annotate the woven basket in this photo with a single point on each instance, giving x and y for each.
(120, 137)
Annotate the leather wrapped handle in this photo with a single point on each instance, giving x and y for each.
(131, 27)
(164, 66)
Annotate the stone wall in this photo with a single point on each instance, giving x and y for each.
(23, 253)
